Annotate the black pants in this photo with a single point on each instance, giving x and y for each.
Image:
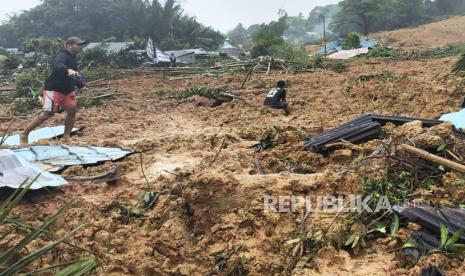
(279, 105)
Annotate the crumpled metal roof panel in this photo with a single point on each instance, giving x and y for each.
(38, 134)
(63, 156)
(14, 171)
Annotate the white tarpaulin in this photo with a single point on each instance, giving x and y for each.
(456, 118)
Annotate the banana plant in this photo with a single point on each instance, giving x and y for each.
(8, 266)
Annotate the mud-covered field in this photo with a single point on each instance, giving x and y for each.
(209, 217)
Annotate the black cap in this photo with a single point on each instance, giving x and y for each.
(75, 40)
(281, 83)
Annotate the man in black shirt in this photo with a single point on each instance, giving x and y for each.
(59, 89)
(276, 98)
(173, 60)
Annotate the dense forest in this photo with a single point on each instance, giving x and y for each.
(94, 20)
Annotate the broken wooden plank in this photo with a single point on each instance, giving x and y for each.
(109, 95)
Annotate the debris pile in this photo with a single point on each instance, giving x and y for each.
(360, 129)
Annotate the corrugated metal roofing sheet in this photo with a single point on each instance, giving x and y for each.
(14, 170)
(346, 54)
(38, 134)
(337, 46)
(112, 47)
(179, 53)
(54, 158)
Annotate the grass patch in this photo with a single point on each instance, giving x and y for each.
(211, 93)
(444, 51)
(459, 66)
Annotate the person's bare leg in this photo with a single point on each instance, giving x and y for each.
(42, 117)
(69, 122)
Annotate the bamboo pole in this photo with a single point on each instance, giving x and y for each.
(434, 158)
(247, 76)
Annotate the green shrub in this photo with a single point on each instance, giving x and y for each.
(8, 61)
(3, 60)
(98, 72)
(45, 49)
(93, 57)
(28, 82)
(22, 106)
(4, 52)
(380, 51)
(210, 93)
(352, 41)
(126, 59)
(291, 52)
(12, 62)
(49, 46)
(266, 43)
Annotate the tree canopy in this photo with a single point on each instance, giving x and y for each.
(93, 20)
(367, 16)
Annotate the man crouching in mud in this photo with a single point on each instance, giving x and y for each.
(276, 97)
(58, 94)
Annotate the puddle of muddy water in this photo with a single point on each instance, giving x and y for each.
(166, 165)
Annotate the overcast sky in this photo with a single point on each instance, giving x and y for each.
(222, 15)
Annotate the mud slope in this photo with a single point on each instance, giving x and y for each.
(430, 35)
(209, 218)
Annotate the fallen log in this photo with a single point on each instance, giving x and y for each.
(95, 81)
(434, 158)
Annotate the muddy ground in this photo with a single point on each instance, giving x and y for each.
(209, 218)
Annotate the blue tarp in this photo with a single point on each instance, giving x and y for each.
(54, 158)
(456, 118)
(336, 46)
(38, 134)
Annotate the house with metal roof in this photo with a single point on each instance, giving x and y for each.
(230, 50)
(112, 47)
(336, 46)
(189, 56)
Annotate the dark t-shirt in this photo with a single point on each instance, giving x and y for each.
(59, 80)
(276, 95)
